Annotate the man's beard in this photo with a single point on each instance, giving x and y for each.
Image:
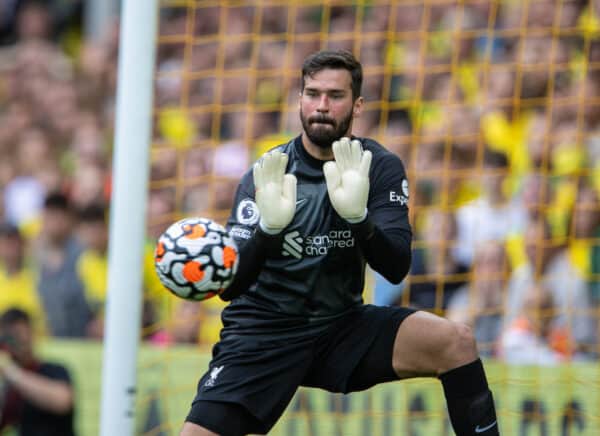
(321, 135)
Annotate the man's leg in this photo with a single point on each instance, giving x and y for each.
(191, 429)
(427, 345)
(223, 419)
(248, 384)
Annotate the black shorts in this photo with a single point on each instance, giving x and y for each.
(351, 354)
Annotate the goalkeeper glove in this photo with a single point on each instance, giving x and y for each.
(347, 179)
(275, 192)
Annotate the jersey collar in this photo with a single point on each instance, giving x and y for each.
(305, 157)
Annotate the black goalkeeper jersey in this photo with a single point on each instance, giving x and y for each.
(314, 270)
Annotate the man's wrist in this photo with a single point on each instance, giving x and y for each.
(266, 240)
(364, 229)
(359, 219)
(264, 228)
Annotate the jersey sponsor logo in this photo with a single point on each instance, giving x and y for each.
(247, 212)
(401, 197)
(315, 245)
(240, 232)
(212, 378)
(292, 245)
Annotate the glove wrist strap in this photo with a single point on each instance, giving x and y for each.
(267, 230)
(359, 219)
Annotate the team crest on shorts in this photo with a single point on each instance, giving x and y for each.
(247, 212)
(212, 378)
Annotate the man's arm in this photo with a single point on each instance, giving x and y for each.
(385, 235)
(55, 396)
(375, 204)
(256, 224)
(242, 226)
(386, 249)
(252, 255)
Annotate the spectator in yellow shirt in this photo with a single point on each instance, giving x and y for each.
(92, 268)
(17, 279)
(92, 265)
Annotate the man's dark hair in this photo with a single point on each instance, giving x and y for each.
(336, 60)
(13, 316)
(92, 213)
(57, 201)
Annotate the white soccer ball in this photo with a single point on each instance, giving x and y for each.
(195, 258)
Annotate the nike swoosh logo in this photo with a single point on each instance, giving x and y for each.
(482, 429)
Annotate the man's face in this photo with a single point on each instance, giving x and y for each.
(94, 235)
(11, 249)
(327, 107)
(19, 342)
(56, 224)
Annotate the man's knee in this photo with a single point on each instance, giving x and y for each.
(460, 348)
(427, 344)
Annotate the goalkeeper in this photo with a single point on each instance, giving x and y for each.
(307, 219)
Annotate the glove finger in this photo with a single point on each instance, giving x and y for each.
(289, 187)
(338, 154)
(268, 161)
(335, 147)
(365, 164)
(257, 174)
(333, 176)
(345, 158)
(282, 165)
(356, 152)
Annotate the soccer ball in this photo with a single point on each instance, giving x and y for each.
(195, 258)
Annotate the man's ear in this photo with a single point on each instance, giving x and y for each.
(358, 105)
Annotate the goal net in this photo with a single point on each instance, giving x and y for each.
(493, 106)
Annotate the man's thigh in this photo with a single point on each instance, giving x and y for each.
(209, 418)
(356, 353)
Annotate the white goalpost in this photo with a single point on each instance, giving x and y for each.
(128, 215)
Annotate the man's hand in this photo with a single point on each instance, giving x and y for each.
(348, 179)
(275, 192)
(54, 396)
(8, 368)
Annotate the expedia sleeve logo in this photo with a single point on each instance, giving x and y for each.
(400, 197)
(247, 212)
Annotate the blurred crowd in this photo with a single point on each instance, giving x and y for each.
(494, 107)
(502, 149)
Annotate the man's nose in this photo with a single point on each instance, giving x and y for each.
(323, 104)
